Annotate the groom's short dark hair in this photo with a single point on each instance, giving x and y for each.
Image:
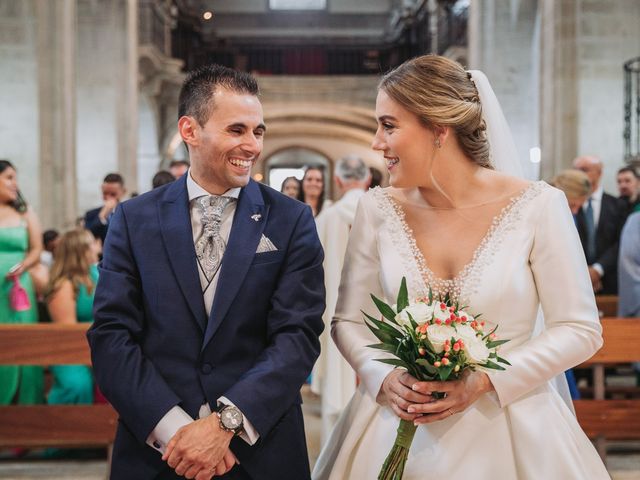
(196, 94)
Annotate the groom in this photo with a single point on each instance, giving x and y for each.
(210, 299)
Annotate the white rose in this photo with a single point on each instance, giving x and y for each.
(420, 312)
(477, 351)
(465, 332)
(440, 313)
(402, 318)
(438, 334)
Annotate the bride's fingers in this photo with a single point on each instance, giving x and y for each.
(409, 396)
(427, 388)
(434, 407)
(403, 414)
(434, 417)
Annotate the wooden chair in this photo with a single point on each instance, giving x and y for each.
(51, 425)
(604, 419)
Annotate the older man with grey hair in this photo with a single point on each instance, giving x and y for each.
(333, 377)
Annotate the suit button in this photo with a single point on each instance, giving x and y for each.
(206, 368)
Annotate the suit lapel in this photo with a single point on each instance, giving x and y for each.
(248, 224)
(175, 224)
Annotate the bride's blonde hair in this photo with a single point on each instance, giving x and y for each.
(441, 93)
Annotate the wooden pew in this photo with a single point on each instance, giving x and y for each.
(607, 305)
(603, 419)
(51, 425)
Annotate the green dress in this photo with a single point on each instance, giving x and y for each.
(23, 383)
(73, 384)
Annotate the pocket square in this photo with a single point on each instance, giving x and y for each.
(266, 245)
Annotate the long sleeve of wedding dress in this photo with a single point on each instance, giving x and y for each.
(572, 331)
(360, 278)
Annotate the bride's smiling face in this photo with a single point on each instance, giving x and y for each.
(406, 143)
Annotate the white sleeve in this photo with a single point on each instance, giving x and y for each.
(174, 420)
(360, 278)
(572, 328)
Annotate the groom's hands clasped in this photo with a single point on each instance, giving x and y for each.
(200, 450)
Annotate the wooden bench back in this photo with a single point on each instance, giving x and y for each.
(612, 419)
(51, 425)
(607, 305)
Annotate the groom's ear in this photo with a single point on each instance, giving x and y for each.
(187, 126)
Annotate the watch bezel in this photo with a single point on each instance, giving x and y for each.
(227, 428)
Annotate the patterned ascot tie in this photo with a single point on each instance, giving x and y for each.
(210, 246)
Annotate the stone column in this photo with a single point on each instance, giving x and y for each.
(558, 86)
(128, 106)
(56, 53)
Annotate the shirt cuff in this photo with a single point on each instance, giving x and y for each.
(249, 433)
(598, 268)
(167, 427)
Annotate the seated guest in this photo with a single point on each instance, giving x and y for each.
(599, 223)
(629, 188)
(50, 240)
(70, 300)
(97, 220)
(290, 187)
(161, 178)
(376, 177)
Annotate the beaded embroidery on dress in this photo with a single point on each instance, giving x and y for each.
(466, 282)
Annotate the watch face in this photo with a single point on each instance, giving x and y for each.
(231, 418)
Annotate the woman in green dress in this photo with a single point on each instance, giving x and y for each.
(20, 248)
(73, 278)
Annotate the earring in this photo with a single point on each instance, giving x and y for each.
(438, 144)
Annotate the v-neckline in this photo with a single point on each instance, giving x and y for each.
(432, 281)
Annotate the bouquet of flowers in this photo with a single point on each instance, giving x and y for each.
(433, 339)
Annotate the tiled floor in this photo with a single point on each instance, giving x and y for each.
(624, 463)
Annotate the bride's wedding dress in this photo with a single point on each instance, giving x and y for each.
(530, 257)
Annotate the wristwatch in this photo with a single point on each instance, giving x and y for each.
(231, 419)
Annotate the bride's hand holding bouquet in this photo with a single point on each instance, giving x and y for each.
(439, 347)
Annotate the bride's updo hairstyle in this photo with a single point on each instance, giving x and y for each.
(441, 93)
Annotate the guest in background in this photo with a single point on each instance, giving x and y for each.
(599, 223)
(97, 220)
(74, 276)
(20, 247)
(628, 188)
(576, 186)
(333, 377)
(312, 192)
(291, 187)
(50, 240)
(161, 178)
(178, 168)
(376, 177)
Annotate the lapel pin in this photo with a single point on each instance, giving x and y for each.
(256, 217)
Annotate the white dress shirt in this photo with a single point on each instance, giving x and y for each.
(176, 418)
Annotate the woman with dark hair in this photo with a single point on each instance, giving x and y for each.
(313, 192)
(20, 248)
(291, 187)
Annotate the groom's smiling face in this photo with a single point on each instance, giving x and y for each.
(224, 149)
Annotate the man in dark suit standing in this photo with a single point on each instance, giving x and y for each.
(599, 222)
(97, 220)
(210, 299)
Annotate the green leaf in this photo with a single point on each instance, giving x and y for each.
(503, 360)
(444, 372)
(430, 295)
(390, 329)
(403, 295)
(496, 343)
(494, 366)
(427, 366)
(392, 361)
(386, 311)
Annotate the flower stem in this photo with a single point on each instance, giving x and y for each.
(393, 466)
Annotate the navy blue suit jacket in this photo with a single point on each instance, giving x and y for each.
(153, 346)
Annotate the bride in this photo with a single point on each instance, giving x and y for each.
(458, 220)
